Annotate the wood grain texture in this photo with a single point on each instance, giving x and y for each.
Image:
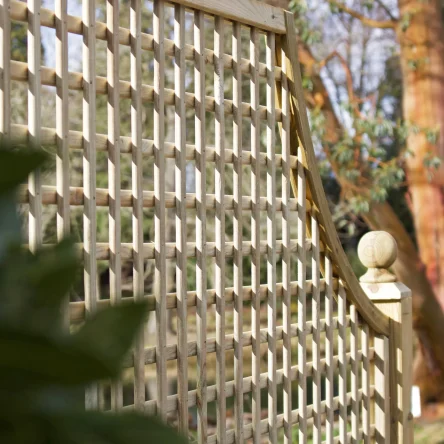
(137, 194)
(255, 235)
(181, 216)
(342, 352)
(114, 218)
(365, 383)
(201, 230)
(19, 72)
(237, 235)
(76, 198)
(19, 13)
(219, 180)
(302, 302)
(89, 175)
(354, 375)
(159, 209)
(34, 121)
(271, 236)
(62, 129)
(329, 347)
(316, 315)
(248, 12)
(286, 261)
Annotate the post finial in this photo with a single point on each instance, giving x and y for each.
(377, 251)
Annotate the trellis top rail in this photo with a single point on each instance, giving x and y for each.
(247, 12)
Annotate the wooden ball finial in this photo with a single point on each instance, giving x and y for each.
(377, 251)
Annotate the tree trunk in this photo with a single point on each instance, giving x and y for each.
(422, 62)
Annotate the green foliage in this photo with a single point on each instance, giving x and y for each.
(44, 368)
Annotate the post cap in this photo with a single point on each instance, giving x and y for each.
(377, 251)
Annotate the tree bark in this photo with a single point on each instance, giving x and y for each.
(422, 63)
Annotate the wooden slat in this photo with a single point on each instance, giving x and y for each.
(201, 233)
(159, 211)
(329, 345)
(150, 406)
(342, 352)
(77, 309)
(114, 219)
(34, 121)
(137, 194)
(255, 235)
(181, 215)
(19, 12)
(149, 249)
(271, 237)
(221, 410)
(19, 72)
(62, 129)
(354, 346)
(237, 235)
(316, 314)
(286, 265)
(89, 173)
(76, 198)
(365, 383)
(5, 72)
(171, 350)
(248, 12)
(19, 134)
(302, 343)
(381, 382)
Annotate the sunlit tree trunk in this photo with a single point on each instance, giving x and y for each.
(422, 62)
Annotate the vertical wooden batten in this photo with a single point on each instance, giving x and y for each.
(159, 208)
(62, 130)
(137, 193)
(181, 215)
(255, 235)
(221, 408)
(34, 120)
(201, 232)
(114, 217)
(89, 173)
(237, 234)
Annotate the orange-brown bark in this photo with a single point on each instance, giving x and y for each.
(422, 62)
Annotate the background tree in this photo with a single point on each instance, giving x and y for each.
(373, 81)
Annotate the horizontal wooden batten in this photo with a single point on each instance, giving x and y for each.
(76, 198)
(247, 12)
(103, 249)
(77, 309)
(19, 72)
(150, 406)
(171, 350)
(230, 436)
(257, 14)
(20, 134)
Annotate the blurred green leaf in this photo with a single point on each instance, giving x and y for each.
(15, 166)
(110, 333)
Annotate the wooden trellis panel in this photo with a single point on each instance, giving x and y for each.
(294, 350)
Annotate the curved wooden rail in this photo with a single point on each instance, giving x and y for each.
(315, 191)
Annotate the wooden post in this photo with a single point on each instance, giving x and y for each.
(377, 251)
